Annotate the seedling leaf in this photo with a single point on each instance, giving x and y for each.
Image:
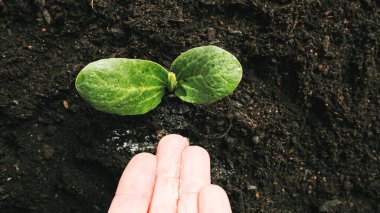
(122, 86)
(206, 74)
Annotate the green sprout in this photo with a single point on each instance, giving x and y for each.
(124, 86)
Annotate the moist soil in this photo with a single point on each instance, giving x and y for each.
(300, 133)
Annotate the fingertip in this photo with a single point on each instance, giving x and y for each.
(144, 158)
(173, 138)
(141, 165)
(196, 151)
(136, 184)
(171, 144)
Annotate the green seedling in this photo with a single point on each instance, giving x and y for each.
(124, 86)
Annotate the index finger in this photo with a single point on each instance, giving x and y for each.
(135, 187)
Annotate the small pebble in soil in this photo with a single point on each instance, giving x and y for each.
(47, 16)
(3, 8)
(211, 34)
(237, 104)
(256, 139)
(257, 195)
(48, 151)
(238, 116)
(329, 206)
(181, 109)
(65, 104)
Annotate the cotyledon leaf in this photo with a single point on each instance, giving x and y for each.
(122, 86)
(206, 74)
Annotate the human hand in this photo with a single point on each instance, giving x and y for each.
(177, 179)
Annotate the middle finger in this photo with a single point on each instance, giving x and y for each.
(165, 194)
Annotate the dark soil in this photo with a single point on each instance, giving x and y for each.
(300, 133)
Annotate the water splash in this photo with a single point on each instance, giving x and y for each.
(127, 140)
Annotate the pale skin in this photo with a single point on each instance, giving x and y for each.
(176, 180)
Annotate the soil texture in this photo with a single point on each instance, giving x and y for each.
(300, 133)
